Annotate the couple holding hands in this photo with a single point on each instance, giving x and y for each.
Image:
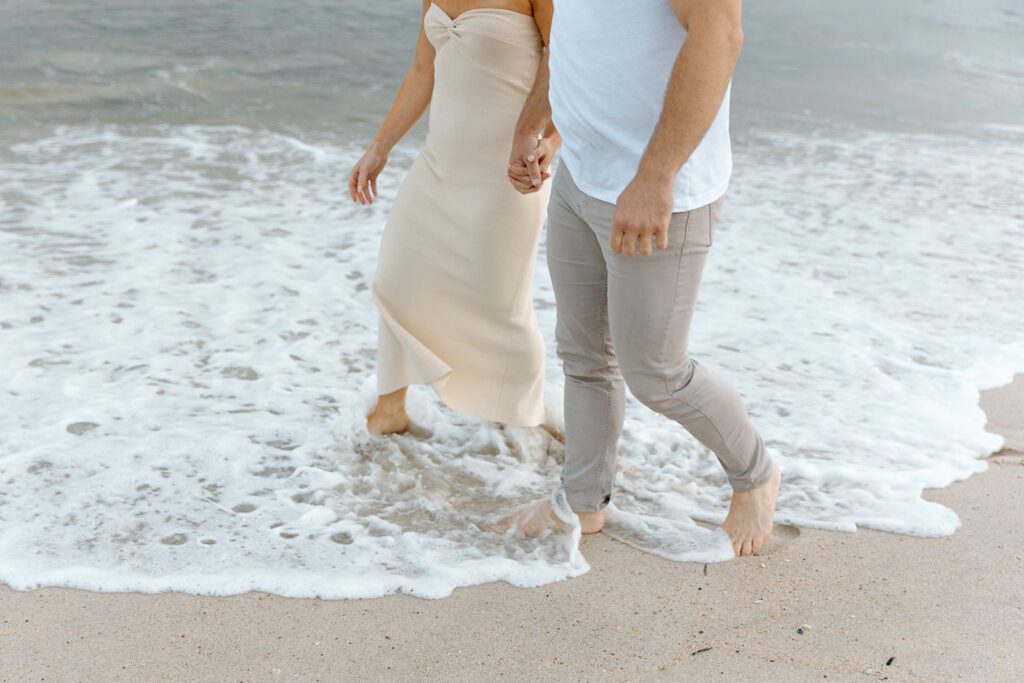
(636, 96)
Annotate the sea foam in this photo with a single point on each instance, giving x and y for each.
(188, 349)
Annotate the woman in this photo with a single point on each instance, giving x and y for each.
(456, 260)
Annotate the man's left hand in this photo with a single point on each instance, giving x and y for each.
(642, 216)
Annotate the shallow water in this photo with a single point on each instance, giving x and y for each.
(188, 337)
(332, 67)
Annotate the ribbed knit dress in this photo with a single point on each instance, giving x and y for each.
(453, 284)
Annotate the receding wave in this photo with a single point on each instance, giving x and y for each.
(189, 337)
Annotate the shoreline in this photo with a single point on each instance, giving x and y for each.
(846, 606)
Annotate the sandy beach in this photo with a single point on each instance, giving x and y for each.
(818, 605)
(189, 343)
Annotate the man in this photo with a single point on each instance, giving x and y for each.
(639, 92)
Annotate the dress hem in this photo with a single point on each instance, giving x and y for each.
(424, 367)
(439, 383)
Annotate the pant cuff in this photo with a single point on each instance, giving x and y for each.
(587, 501)
(758, 474)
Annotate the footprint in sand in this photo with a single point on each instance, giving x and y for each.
(79, 428)
(782, 535)
(174, 539)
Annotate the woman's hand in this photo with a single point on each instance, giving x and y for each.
(528, 167)
(362, 182)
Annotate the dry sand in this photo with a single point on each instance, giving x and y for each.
(818, 606)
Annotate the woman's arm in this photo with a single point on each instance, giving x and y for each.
(412, 100)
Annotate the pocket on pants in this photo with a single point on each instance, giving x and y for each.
(715, 217)
(698, 229)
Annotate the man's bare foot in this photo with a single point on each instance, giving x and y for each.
(591, 522)
(389, 416)
(749, 522)
(533, 520)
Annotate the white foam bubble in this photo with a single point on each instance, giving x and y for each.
(188, 348)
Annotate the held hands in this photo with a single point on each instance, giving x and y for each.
(642, 216)
(362, 181)
(528, 165)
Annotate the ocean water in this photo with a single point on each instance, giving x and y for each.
(187, 335)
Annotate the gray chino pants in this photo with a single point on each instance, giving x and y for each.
(625, 322)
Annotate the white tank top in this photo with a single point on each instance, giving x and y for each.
(610, 64)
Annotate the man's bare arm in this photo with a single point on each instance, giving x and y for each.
(536, 115)
(694, 95)
(536, 139)
(699, 80)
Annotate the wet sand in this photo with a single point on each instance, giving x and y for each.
(818, 606)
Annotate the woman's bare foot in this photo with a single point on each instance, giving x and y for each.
(389, 416)
(749, 522)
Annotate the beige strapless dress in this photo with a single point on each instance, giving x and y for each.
(453, 284)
